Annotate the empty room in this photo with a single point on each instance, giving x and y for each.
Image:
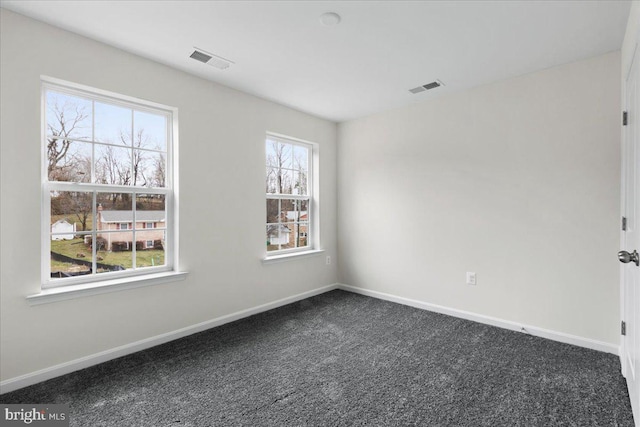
(319, 213)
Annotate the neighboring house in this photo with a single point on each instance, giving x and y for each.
(278, 234)
(150, 229)
(303, 218)
(63, 226)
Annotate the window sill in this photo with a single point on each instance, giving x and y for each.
(78, 291)
(293, 255)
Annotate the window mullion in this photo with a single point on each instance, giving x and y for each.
(94, 234)
(110, 144)
(93, 138)
(133, 152)
(133, 231)
(288, 196)
(105, 188)
(279, 223)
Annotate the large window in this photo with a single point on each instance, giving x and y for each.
(107, 175)
(289, 195)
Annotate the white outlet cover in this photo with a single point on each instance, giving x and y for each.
(471, 278)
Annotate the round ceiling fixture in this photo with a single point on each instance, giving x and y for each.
(330, 19)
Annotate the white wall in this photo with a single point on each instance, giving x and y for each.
(222, 209)
(517, 181)
(629, 43)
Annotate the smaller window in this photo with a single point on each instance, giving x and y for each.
(124, 226)
(149, 225)
(149, 244)
(289, 195)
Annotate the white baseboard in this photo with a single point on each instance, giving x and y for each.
(104, 356)
(493, 321)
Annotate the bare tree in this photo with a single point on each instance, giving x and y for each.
(119, 169)
(129, 169)
(278, 177)
(300, 164)
(138, 157)
(159, 171)
(111, 168)
(82, 207)
(62, 122)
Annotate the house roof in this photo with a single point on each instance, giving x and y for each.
(62, 221)
(127, 216)
(273, 228)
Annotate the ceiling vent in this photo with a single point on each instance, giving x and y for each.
(426, 87)
(210, 59)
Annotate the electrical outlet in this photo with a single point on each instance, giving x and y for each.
(328, 260)
(471, 278)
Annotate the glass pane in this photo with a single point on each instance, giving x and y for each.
(297, 239)
(286, 206)
(114, 211)
(287, 236)
(70, 257)
(303, 207)
(284, 181)
(149, 169)
(150, 131)
(303, 234)
(113, 124)
(113, 165)
(72, 161)
(300, 158)
(156, 170)
(299, 183)
(294, 210)
(71, 212)
(67, 117)
(150, 212)
(115, 251)
(114, 220)
(278, 236)
(150, 248)
(278, 154)
(272, 210)
(272, 180)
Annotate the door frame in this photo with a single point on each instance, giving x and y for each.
(635, 56)
(623, 203)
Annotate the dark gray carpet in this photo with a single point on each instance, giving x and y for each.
(341, 359)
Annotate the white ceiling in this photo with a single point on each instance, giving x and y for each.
(364, 65)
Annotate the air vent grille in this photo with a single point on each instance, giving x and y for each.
(210, 59)
(199, 56)
(431, 85)
(426, 87)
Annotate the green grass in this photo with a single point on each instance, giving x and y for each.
(73, 249)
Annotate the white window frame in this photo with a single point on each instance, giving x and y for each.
(147, 245)
(146, 225)
(126, 226)
(313, 232)
(98, 282)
